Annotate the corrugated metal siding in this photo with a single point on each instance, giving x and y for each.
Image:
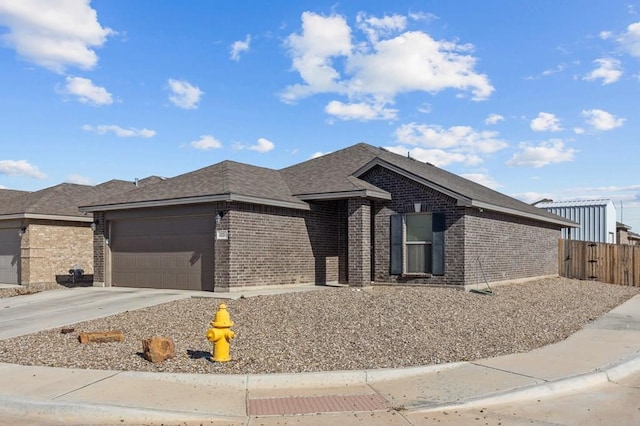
(593, 219)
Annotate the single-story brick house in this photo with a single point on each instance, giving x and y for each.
(355, 216)
(43, 234)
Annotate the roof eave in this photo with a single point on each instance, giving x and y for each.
(506, 210)
(340, 195)
(462, 201)
(42, 216)
(196, 200)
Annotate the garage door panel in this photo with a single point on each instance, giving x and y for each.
(171, 253)
(9, 255)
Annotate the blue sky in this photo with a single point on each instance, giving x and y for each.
(535, 99)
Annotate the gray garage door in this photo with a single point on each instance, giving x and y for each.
(9, 255)
(170, 253)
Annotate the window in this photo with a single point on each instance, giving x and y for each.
(417, 244)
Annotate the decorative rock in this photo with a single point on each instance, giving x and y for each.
(158, 349)
(101, 337)
(67, 330)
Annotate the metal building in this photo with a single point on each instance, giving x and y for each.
(597, 219)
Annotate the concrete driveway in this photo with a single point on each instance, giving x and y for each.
(20, 315)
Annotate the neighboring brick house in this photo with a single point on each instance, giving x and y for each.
(43, 234)
(355, 216)
(625, 236)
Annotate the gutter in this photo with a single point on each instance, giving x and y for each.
(196, 200)
(46, 217)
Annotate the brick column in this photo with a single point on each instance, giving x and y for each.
(222, 256)
(359, 242)
(99, 251)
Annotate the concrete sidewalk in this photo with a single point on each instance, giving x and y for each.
(606, 350)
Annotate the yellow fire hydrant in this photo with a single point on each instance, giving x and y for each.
(219, 334)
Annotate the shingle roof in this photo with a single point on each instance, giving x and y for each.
(331, 173)
(227, 178)
(5, 194)
(61, 200)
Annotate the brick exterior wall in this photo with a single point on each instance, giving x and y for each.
(274, 246)
(348, 241)
(405, 192)
(51, 248)
(359, 241)
(508, 247)
(99, 251)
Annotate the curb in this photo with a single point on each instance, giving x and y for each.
(98, 413)
(319, 379)
(612, 373)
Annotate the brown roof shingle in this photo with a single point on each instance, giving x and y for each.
(62, 199)
(227, 177)
(334, 174)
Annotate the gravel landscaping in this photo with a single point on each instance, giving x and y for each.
(335, 328)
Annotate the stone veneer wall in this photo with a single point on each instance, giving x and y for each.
(508, 247)
(51, 248)
(274, 246)
(405, 192)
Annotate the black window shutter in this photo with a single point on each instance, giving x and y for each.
(396, 244)
(437, 252)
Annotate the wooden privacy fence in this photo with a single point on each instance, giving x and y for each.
(608, 263)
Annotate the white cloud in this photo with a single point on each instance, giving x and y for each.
(413, 61)
(630, 40)
(605, 35)
(608, 70)
(545, 153)
(546, 122)
(318, 154)
(322, 39)
(78, 179)
(120, 131)
(206, 142)
(493, 119)
(375, 27)
(360, 111)
(87, 92)
(239, 46)
(54, 34)
(578, 130)
(602, 120)
(384, 65)
(461, 138)
(263, 145)
(20, 168)
(547, 72)
(425, 108)
(184, 94)
(483, 179)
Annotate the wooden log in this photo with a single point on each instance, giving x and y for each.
(101, 337)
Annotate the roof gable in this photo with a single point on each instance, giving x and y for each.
(333, 170)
